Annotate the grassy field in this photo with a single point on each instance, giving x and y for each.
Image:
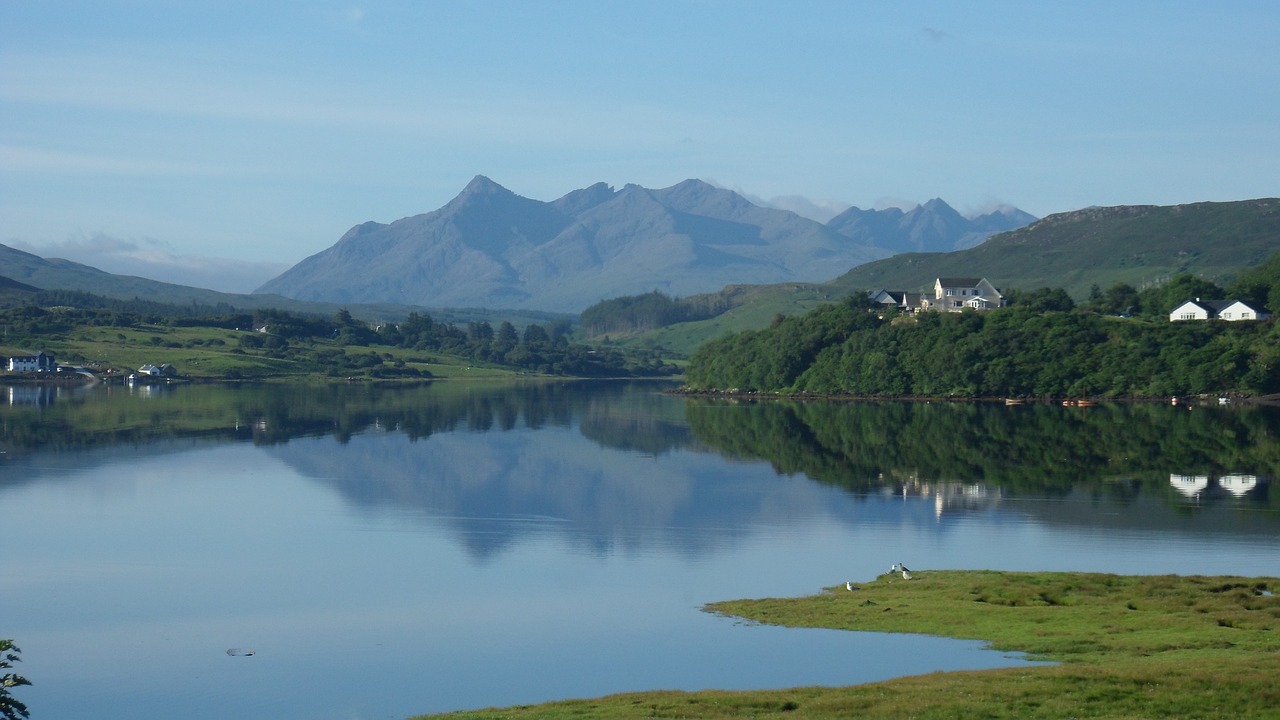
(207, 353)
(1125, 647)
(756, 309)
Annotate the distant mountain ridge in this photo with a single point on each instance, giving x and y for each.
(1134, 244)
(489, 247)
(932, 227)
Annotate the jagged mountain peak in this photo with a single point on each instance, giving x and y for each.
(483, 185)
(699, 197)
(582, 200)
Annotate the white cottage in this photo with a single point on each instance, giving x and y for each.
(1241, 310)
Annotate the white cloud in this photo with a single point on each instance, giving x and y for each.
(820, 210)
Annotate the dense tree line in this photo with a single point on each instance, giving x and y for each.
(1041, 345)
(637, 313)
(540, 348)
(536, 348)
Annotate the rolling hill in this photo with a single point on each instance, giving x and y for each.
(1135, 244)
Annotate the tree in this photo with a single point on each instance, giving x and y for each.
(10, 707)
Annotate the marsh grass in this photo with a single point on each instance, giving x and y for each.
(1125, 647)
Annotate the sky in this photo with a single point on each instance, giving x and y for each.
(218, 143)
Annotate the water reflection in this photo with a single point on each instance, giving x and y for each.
(1118, 451)
(960, 454)
(514, 544)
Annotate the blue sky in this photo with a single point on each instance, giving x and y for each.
(216, 144)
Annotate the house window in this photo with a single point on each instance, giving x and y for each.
(1187, 316)
(950, 291)
(1226, 316)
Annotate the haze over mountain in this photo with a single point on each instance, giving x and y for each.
(489, 247)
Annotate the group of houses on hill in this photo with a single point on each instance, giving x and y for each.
(949, 295)
(956, 294)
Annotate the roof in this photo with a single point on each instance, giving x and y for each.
(1213, 307)
(1252, 306)
(960, 281)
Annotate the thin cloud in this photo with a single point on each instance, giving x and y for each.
(38, 160)
(936, 35)
(157, 260)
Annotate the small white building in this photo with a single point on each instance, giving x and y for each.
(165, 370)
(1241, 310)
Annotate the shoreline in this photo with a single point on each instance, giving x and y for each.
(1122, 646)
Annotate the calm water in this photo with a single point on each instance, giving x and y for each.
(384, 553)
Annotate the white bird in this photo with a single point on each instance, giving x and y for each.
(906, 574)
(848, 586)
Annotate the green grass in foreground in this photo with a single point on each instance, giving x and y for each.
(1128, 647)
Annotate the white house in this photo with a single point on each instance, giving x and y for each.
(1241, 310)
(956, 294)
(1193, 310)
(903, 300)
(165, 370)
(40, 362)
(1231, 310)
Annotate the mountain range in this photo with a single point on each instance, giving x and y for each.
(1139, 245)
(489, 247)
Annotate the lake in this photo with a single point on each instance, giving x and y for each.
(362, 552)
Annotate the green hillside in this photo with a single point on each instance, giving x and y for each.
(1142, 246)
(1139, 245)
(749, 307)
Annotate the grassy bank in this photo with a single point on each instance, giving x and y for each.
(1126, 647)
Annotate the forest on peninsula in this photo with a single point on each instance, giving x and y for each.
(1117, 343)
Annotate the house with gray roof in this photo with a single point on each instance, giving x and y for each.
(957, 293)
